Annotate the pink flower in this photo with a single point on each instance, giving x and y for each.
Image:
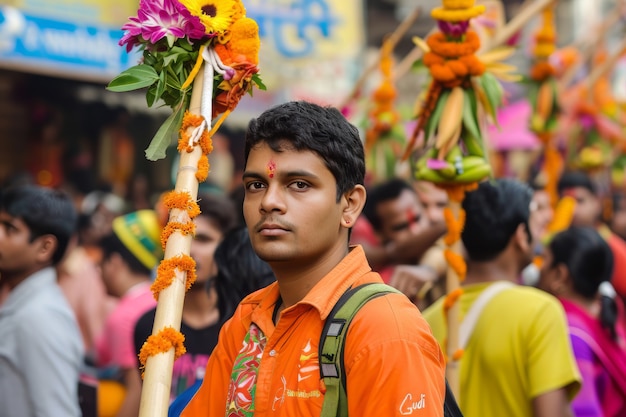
(455, 29)
(158, 19)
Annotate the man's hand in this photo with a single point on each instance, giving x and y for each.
(413, 280)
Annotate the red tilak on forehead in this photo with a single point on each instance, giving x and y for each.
(271, 168)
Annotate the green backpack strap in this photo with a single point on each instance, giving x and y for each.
(331, 346)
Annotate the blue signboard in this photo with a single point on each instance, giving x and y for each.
(64, 47)
(309, 19)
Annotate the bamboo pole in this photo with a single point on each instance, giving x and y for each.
(586, 46)
(453, 283)
(393, 40)
(155, 393)
(407, 62)
(606, 66)
(515, 25)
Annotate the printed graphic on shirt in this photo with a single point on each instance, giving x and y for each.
(308, 365)
(240, 401)
(307, 384)
(187, 370)
(412, 403)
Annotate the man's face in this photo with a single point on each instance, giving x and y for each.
(290, 205)
(203, 246)
(541, 214)
(433, 199)
(587, 211)
(401, 217)
(17, 253)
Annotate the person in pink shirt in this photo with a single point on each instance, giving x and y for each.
(130, 253)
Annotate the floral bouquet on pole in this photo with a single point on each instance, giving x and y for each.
(199, 58)
(463, 90)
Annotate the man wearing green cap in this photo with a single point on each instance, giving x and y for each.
(130, 253)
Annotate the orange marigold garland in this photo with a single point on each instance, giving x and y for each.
(543, 99)
(384, 136)
(162, 342)
(166, 272)
(188, 228)
(200, 65)
(181, 200)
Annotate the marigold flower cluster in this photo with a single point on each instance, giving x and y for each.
(383, 116)
(177, 36)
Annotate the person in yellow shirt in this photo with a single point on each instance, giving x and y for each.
(518, 361)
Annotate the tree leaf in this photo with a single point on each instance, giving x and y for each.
(163, 137)
(134, 78)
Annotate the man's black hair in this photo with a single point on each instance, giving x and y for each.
(305, 126)
(111, 244)
(45, 211)
(493, 213)
(380, 193)
(572, 179)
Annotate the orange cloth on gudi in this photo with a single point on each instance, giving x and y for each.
(394, 365)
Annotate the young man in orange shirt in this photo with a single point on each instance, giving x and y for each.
(303, 192)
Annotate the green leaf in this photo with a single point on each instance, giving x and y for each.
(163, 137)
(256, 79)
(173, 57)
(134, 78)
(418, 64)
(151, 97)
(433, 121)
(470, 116)
(390, 162)
(493, 90)
(533, 91)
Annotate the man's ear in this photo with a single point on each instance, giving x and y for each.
(46, 246)
(353, 202)
(522, 238)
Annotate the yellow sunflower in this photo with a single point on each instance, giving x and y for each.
(216, 15)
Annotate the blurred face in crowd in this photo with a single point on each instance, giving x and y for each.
(433, 199)
(208, 236)
(588, 209)
(19, 254)
(541, 214)
(618, 222)
(401, 217)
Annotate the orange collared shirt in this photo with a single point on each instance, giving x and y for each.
(394, 366)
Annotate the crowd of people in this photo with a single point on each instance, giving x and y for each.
(272, 259)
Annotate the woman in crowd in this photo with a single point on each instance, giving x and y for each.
(577, 269)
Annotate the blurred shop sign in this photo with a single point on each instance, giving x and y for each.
(57, 47)
(310, 50)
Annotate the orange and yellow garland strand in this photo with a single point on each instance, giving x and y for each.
(383, 116)
(162, 342)
(452, 61)
(543, 73)
(452, 239)
(168, 337)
